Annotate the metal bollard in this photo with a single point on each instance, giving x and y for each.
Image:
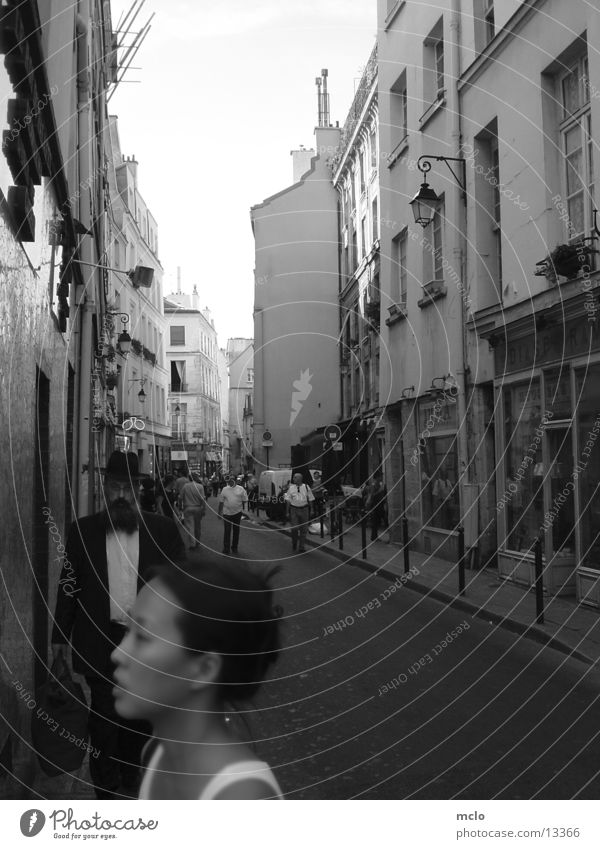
(340, 518)
(461, 560)
(363, 535)
(539, 582)
(405, 550)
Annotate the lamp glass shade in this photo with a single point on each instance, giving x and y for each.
(142, 395)
(177, 409)
(124, 341)
(424, 205)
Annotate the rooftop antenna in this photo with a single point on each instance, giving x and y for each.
(179, 280)
(325, 97)
(318, 83)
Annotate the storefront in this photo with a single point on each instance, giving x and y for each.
(547, 432)
(436, 455)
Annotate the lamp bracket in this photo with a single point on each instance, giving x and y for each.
(424, 166)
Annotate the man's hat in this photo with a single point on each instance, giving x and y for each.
(123, 466)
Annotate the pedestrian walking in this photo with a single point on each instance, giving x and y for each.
(193, 500)
(197, 643)
(166, 497)
(105, 564)
(298, 498)
(233, 500)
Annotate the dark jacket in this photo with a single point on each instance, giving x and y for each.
(83, 605)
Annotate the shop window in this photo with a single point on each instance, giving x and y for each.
(562, 493)
(439, 464)
(587, 468)
(524, 468)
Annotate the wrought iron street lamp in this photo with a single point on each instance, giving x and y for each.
(426, 203)
(124, 340)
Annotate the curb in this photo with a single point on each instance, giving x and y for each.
(531, 632)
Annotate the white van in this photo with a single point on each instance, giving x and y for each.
(272, 485)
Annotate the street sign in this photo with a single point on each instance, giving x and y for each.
(179, 455)
(333, 432)
(337, 446)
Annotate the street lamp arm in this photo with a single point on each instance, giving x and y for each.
(424, 166)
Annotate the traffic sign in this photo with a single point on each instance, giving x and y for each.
(333, 432)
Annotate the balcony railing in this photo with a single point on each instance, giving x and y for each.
(174, 388)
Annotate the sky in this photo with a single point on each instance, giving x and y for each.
(226, 91)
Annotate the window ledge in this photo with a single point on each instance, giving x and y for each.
(391, 15)
(432, 110)
(397, 152)
(397, 313)
(432, 291)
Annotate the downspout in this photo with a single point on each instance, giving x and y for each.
(86, 301)
(458, 220)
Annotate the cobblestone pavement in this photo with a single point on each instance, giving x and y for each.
(384, 692)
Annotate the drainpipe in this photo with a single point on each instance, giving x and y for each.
(458, 244)
(86, 302)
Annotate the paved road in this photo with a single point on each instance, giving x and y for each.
(483, 714)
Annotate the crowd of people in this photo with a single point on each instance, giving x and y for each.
(167, 641)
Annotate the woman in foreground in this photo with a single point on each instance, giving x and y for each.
(196, 642)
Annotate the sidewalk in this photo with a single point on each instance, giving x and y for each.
(568, 627)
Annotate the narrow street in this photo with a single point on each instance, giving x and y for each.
(489, 715)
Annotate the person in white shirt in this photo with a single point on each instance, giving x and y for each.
(233, 500)
(298, 498)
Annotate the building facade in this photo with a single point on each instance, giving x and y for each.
(58, 63)
(492, 414)
(240, 363)
(138, 385)
(194, 389)
(355, 170)
(296, 308)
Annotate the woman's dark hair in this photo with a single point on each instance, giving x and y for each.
(226, 607)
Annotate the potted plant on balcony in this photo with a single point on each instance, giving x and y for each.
(566, 260)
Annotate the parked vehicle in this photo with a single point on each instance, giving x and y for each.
(272, 486)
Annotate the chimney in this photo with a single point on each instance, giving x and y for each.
(301, 161)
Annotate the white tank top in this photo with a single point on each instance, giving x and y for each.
(241, 770)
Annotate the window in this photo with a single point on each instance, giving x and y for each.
(363, 170)
(399, 110)
(363, 235)
(433, 64)
(490, 25)
(375, 219)
(373, 146)
(496, 208)
(577, 148)
(588, 403)
(485, 23)
(178, 376)
(250, 376)
(433, 249)
(399, 275)
(177, 335)
(179, 422)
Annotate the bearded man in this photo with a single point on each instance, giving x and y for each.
(106, 558)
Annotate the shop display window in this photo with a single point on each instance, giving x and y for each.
(439, 476)
(587, 467)
(524, 469)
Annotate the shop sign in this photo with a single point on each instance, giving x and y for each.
(561, 342)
